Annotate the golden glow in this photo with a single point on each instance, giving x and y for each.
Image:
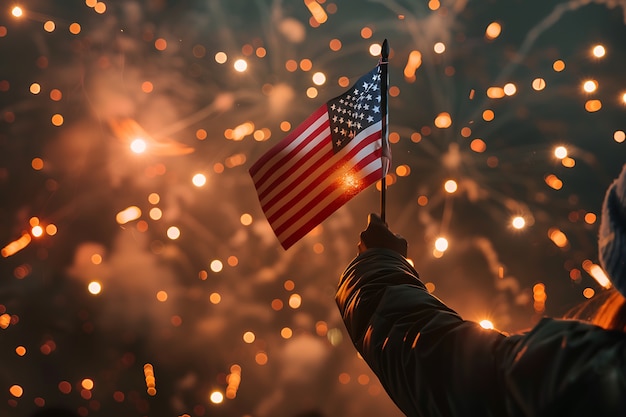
(443, 120)
(319, 78)
(593, 105)
(261, 358)
(215, 298)
(560, 152)
(590, 86)
(138, 145)
(94, 288)
(57, 119)
(216, 265)
(154, 198)
(155, 213)
(240, 65)
(20, 351)
(173, 232)
(245, 219)
(75, 28)
(17, 11)
(35, 88)
(597, 273)
(16, 246)
(233, 379)
(16, 391)
(439, 48)
(510, 89)
(286, 333)
(558, 237)
(317, 11)
(128, 215)
(87, 384)
(493, 30)
(478, 145)
(558, 65)
(161, 296)
(100, 7)
(554, 182)
(619, 136)
(598, 51)
(539, 297)
(403, 170)
(486, 324)
(539, 84)
(248, 337)
(495, 92)
(311, 92)
(295, 301)
(441, 244)
(221, 57)
(148, 372)
(37, 231)
(216, 397)
(450, 186)
(488, 115)
(518, 222)
(589, 292)
(199, 180)
(375, 49)
(5, 320)
(413, 63)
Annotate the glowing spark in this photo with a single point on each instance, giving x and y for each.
(413, 63)
(319, 78)
(128, 215)
(590, 86)
(518, 222)
(94, 288)
(16, 246)
(246, 219)
(598, 274)
(510, 89)
(439, 48)
(493, 30)
(599, 51)
(443, 120)
(216, 397)
(295, 301)
(217, 265)
(199, 180)
(249, 337)
(441, 244)
(560, 152)
(234, 379)
(17, 11)
(450, 186)
(375, 49)
(240, 65)
(37, 231)
(148, 372)
(138, 145)
(316, 11)
(173, 232)
(558, 237)
(486, 324)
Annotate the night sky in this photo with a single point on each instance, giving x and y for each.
(139, 276)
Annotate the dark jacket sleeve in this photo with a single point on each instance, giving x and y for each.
(433, 363)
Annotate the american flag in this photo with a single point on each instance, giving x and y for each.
(328, 159)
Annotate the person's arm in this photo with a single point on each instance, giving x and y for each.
(429, 360)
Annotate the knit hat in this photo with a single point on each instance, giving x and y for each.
(612, 235)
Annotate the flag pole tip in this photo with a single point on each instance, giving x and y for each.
(385, 50)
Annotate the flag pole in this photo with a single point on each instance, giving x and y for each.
(385, 151)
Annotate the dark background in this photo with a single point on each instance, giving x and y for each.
(89, 175)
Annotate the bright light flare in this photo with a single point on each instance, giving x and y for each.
(240, 65)
(16, 246)
(17, 11)
(560, 152)
(443, 120)
(319, 78)
(138, 146)
(199, 180)
(94, 288)
(450, 186)
(598, 51)
(598, 274)
(37, 231)
(493, 30)
(317, 11)
(128, 215)
(518, 222)
(216, 397)
(441, 244)
(375, 49)
(486, 324)
(590, 86)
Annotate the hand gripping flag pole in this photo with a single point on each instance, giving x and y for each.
(327, 160)
(385, 158)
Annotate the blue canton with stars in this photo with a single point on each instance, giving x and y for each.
(355, 110)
